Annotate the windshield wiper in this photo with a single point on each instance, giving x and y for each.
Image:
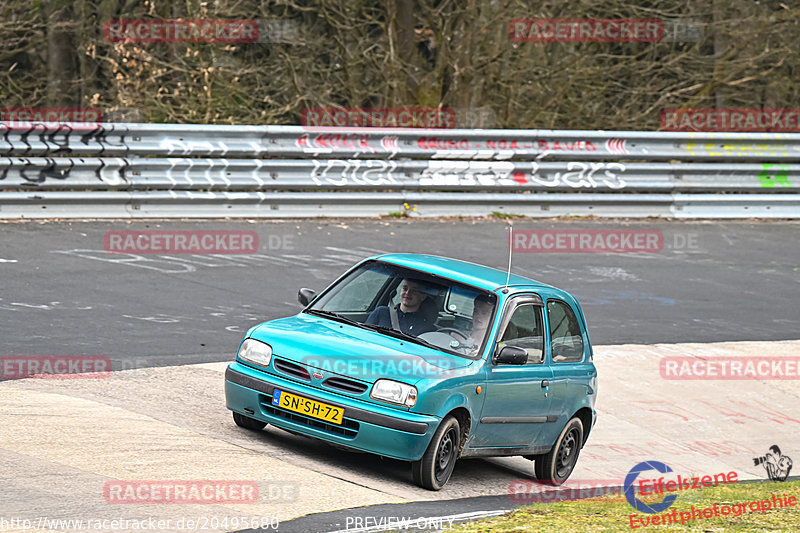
(334, 316)
(400, 335)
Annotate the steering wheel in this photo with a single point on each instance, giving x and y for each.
(454, 331)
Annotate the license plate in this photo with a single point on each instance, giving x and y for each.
(307, 407)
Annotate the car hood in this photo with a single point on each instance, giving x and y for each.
(343, 349)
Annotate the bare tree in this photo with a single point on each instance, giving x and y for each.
(416, 53)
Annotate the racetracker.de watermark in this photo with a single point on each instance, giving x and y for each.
(194, 523)
(571, 30)
(733, 119)
(20, 118)
(524, 491)
(367, 369)
(181, 242)
(198, 492)
(730, 368)
(588, 241)
(54, 366)
(181, 31)
(379, 117)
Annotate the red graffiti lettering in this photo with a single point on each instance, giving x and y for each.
(503, 144)
(434, 143)
(574, 146)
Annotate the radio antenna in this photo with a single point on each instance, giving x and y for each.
(510, 248)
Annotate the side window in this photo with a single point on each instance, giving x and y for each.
(357, 295)
(566, 343)
(524, 330)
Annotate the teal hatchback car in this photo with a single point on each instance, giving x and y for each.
(426, 359)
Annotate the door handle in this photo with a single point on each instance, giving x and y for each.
(545, 383)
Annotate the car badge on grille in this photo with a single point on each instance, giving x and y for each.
(318, 375)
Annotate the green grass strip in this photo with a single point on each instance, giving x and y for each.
(612, 513)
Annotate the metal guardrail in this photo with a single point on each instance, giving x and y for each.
(173, 140)
(170, 170)
(371, 174)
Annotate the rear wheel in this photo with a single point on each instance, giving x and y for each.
(434, 469)
(556, 466)
(247, 422)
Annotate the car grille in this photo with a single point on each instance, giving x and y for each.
(345, 385)
(291, 369)
(348, 428)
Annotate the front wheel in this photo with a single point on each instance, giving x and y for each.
(556, 466)
(247, 422)
(434, 469)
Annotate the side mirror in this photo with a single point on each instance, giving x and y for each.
(304, 296)
(511, 355)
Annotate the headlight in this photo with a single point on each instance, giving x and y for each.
(395, 392)
(256, 352)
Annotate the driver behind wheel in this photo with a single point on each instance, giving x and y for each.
(482, 308)
(411, 319)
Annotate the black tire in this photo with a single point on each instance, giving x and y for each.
(556, 466)
(434, 469)
(247, 422)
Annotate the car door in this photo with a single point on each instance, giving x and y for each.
(570, 364)
(517, 402)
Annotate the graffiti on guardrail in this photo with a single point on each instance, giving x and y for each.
(451, 148)
(490, 173)
(339, 172)
(326, 143)
(435, 143)
(342, 172)
(582, 175)
(566, 146)
(737, 149)
(36, 171)
(191, 147)
(34, 174)
(178, 173)
(444, 148)
(466, 173)
(774, 174)
(60, 138)
(104, 139)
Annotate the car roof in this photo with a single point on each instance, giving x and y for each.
(464, 271)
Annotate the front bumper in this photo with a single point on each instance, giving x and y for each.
(367, 427)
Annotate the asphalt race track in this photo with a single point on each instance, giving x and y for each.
(61, 292)
(170, 322)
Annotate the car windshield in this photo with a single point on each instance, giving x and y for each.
(409, 304)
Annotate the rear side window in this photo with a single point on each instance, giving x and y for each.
(566, 343)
